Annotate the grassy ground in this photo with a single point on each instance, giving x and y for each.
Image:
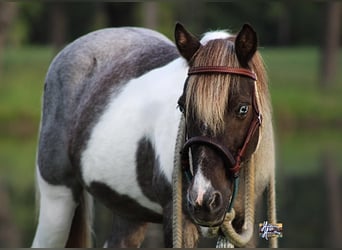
(21, 83)
(22, 79)
(307, 119)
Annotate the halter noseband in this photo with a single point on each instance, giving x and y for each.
(223, 151)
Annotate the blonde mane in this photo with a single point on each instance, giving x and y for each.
(207, 96)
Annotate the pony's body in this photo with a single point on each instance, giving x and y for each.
(109, 126)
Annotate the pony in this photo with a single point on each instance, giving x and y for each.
(110, 117)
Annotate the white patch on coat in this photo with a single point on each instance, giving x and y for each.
(56, 213)
(212, 35)
(209, 232)
(201, 186)
(146, 107)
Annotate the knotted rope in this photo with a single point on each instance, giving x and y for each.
(230, 237)
(177, 224)
(271, 211)
(240, 240)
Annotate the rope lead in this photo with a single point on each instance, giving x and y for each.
(177, 187)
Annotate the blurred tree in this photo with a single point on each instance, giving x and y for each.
(8, 11)
(7, 14)
(232, 15)
(283, 23)
(192, 13)
(121, 14)
(330, 46)
(81, 17)
(58, 21)
(277, 23)
(279, 11)
(333, 196)
(150, 11)
(37, 20)
(9, 234)
(100, 17)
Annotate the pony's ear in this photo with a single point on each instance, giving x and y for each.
(187, 43)
(246, 44)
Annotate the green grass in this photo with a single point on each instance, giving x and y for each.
(295, 91)
(292, 66)
(21, 86)
(307, 118)
(22, 76)
(21, 82)
(300, 153)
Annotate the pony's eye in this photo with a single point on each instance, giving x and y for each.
(243, 110)
(181, 108)
(181, 104)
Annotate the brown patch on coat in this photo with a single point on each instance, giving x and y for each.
(123, 204)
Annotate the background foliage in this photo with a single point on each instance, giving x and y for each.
(277, 22)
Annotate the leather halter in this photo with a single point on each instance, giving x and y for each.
(233, 164)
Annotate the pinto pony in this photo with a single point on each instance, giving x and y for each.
(109, 126)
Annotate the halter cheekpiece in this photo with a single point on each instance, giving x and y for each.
(232, 163)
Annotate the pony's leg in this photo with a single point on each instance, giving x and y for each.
(56, 213)
(126, 233)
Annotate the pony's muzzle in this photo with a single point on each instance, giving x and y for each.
(207, 210)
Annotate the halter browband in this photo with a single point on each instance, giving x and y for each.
(222, 69)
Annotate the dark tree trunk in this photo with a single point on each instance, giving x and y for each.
(9, 234)
(7, 14)
(150, 14)
(284, 24)
(58, 24)
(330, 46)
(191, 14)
(333, 200)
(120, 13)
(8, 11)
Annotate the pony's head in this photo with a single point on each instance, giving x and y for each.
(221, 107)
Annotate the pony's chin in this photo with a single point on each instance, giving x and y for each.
(208, 223)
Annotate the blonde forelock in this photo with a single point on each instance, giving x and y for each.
(207, 95)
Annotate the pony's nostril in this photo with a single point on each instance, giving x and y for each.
(215, 201)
